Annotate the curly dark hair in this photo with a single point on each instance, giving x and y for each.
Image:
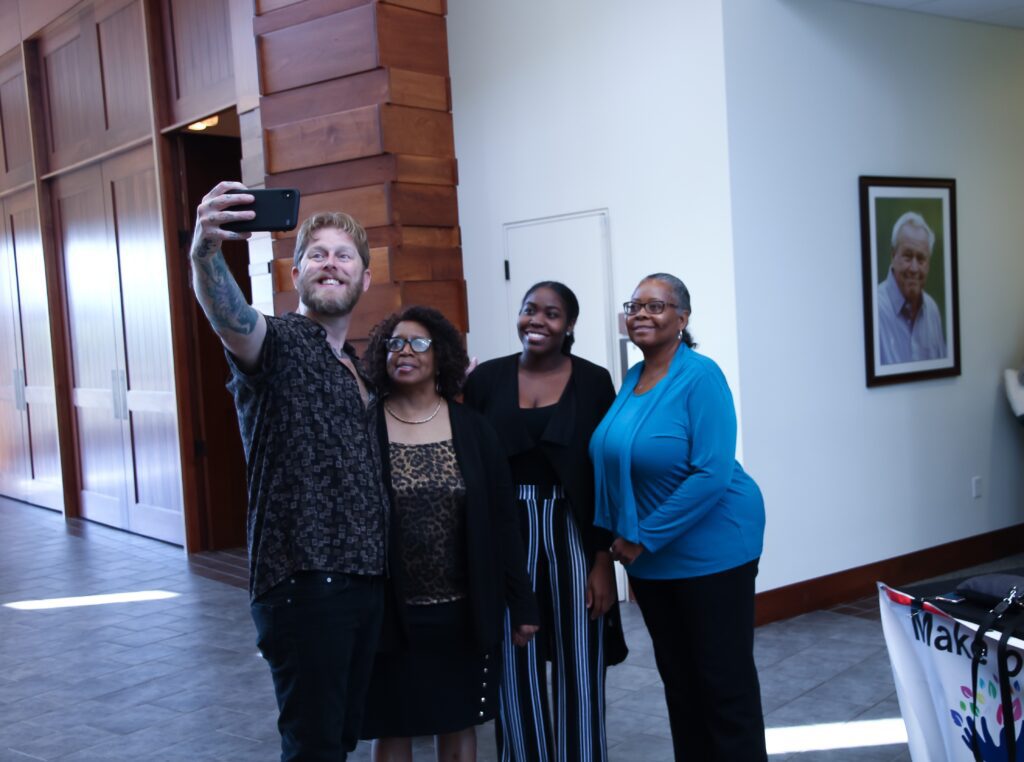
(450, 359)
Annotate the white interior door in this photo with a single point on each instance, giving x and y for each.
(576, 250)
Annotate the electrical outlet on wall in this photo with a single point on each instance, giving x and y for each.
(975, 487)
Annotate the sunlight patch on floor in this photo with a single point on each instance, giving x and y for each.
(836, 735)
(91, 600)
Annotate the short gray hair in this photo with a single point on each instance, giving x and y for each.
(682, 296)
(915, 219)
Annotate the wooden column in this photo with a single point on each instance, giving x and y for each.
(355, 112)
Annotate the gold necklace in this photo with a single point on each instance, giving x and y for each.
(429, 418)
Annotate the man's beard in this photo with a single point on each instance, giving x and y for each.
(337, 305)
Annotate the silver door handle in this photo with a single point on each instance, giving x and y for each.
(19, 389)
(122, 384)
(115, 390)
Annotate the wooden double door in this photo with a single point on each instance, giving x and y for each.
(29, 446)
(108, 224)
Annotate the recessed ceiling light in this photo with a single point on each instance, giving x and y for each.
(202, 124)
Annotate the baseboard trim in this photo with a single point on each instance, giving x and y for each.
(859, 582)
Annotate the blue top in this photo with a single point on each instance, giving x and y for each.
(901, 339)
(666, 474)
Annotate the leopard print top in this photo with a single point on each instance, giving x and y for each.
(430, 498)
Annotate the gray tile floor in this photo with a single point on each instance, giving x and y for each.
(180, 679)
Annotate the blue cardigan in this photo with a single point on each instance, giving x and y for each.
(666, 474)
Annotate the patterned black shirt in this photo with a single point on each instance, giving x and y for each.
(316, 501)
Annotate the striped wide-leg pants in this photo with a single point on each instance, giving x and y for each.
(526, 728)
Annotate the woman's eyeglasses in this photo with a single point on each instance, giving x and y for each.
(653, 307)
(397, 344)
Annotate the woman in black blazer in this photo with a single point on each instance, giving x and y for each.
(545, 403)
(455, 558)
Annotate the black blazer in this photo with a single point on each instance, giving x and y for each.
(495, 560)
(493, 389)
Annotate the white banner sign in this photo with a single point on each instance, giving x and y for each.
(930, 654)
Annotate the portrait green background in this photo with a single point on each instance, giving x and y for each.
(887, 211)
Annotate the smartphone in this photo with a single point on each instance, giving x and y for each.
(276, 209)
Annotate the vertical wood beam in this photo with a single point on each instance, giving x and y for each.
(179, 291)
(356, 113)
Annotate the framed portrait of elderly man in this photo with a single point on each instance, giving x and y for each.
(911, 313)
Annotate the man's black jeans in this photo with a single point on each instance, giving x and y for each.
(318, 631)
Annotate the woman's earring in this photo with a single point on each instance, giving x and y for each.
(679, 336)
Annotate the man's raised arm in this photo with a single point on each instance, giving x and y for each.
(241, 328)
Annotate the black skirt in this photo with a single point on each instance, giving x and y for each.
(440, 684)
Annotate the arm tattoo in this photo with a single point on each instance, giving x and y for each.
(219, 294)
(204, 248)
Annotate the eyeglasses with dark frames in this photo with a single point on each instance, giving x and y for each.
(653, 307)
(419, 344)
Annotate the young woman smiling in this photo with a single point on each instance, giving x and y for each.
(545, 403)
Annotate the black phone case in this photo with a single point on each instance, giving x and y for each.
(277, 209)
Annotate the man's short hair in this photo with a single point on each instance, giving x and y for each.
(343, 222)
(915, 219)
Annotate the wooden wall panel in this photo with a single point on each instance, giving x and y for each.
(417, 131)
(292, 12)
(10, 25)
(412, 40)
(74, 94)
(197, 47)
(122, 54)
(358, 39)
(95, 83)
(14, 124)
(324, 139)
(424, 205)
(346, 42)
(369, 205)
(392, 86)
(439, 7)
(380, 301)
(359, 133)
(364, 89)
(373, 170)
(23, 228)
(366, 130)
(414, 88)
(35, 14)
(420, 263)
(16, 168)
(448, 296)
(243, 55)
(266, 6)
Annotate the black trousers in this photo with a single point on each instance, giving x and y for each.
(702, 629)
(318, 631)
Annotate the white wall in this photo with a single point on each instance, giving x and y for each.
(819, 93)
(574, 105)
(717, 125)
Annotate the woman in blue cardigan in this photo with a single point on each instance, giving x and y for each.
(688, 524)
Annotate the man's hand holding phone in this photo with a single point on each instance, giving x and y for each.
(216, 210)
